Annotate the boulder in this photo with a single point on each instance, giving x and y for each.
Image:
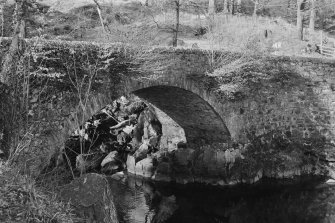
(142, 152)
(86, 162)
(128, 129)
(138, 130)
(151, 130)
(91, 197)
(151, 125)
(184, 156)
(111, 168)
(131, 164)
(135, 108)
(145, 167)
(112, 163)
(330, 182)
(163, 172)
(195, 46)
(173, 143)
(109, 158)
(72, 148)
(123, 100)
(121, 138)
(118, 176)
(154, 141)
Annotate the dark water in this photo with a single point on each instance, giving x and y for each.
(308, 200)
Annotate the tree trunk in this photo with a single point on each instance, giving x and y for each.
(211, 7)
(230, 6)
(233, 8)
(8, 78)
(16, 45)
(5, 125)
(100, 15)
(176, 29)
(312, 17)
(225, 6)
(238, 6)
(2, 19)
(299, 19)
(255, 8)
(211, 12)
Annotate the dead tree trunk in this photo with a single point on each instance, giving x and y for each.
(2, 18)
(211, 12)
(256, 2)
(233, 7)
(100, 15)
(312, 16)
(299, 19)
(176, 29)
(8, 78)
(211, 7)
(238, 6)
(225, 6)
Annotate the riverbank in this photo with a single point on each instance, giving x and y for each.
(139, 199)
(21, 200)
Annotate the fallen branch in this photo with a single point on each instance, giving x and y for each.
(123, 124)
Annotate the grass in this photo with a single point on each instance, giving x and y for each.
(137, 24)
(245, 33)
(21, 200)
(233, 33)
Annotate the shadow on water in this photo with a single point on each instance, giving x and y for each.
(308, 200)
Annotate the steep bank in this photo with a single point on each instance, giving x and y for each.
(21, 200)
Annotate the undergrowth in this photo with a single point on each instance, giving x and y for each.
(21, 200)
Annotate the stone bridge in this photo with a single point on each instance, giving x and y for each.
(291, 97)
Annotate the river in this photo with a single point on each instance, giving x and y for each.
(304, 200)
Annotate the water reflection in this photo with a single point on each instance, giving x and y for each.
(141, 201)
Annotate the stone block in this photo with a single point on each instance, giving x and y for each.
(184, 156)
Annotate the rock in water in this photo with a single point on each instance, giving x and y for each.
(109, 158)
(145, 167)
(184, 156)
(131, 164)
(163, 172)
(91, 197)
(111, 164)
(142, 152)
(330, 181)
(110, 168)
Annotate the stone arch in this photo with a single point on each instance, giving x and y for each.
(186, 104)
(201, 123)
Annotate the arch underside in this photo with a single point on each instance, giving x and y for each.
(202, 125)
